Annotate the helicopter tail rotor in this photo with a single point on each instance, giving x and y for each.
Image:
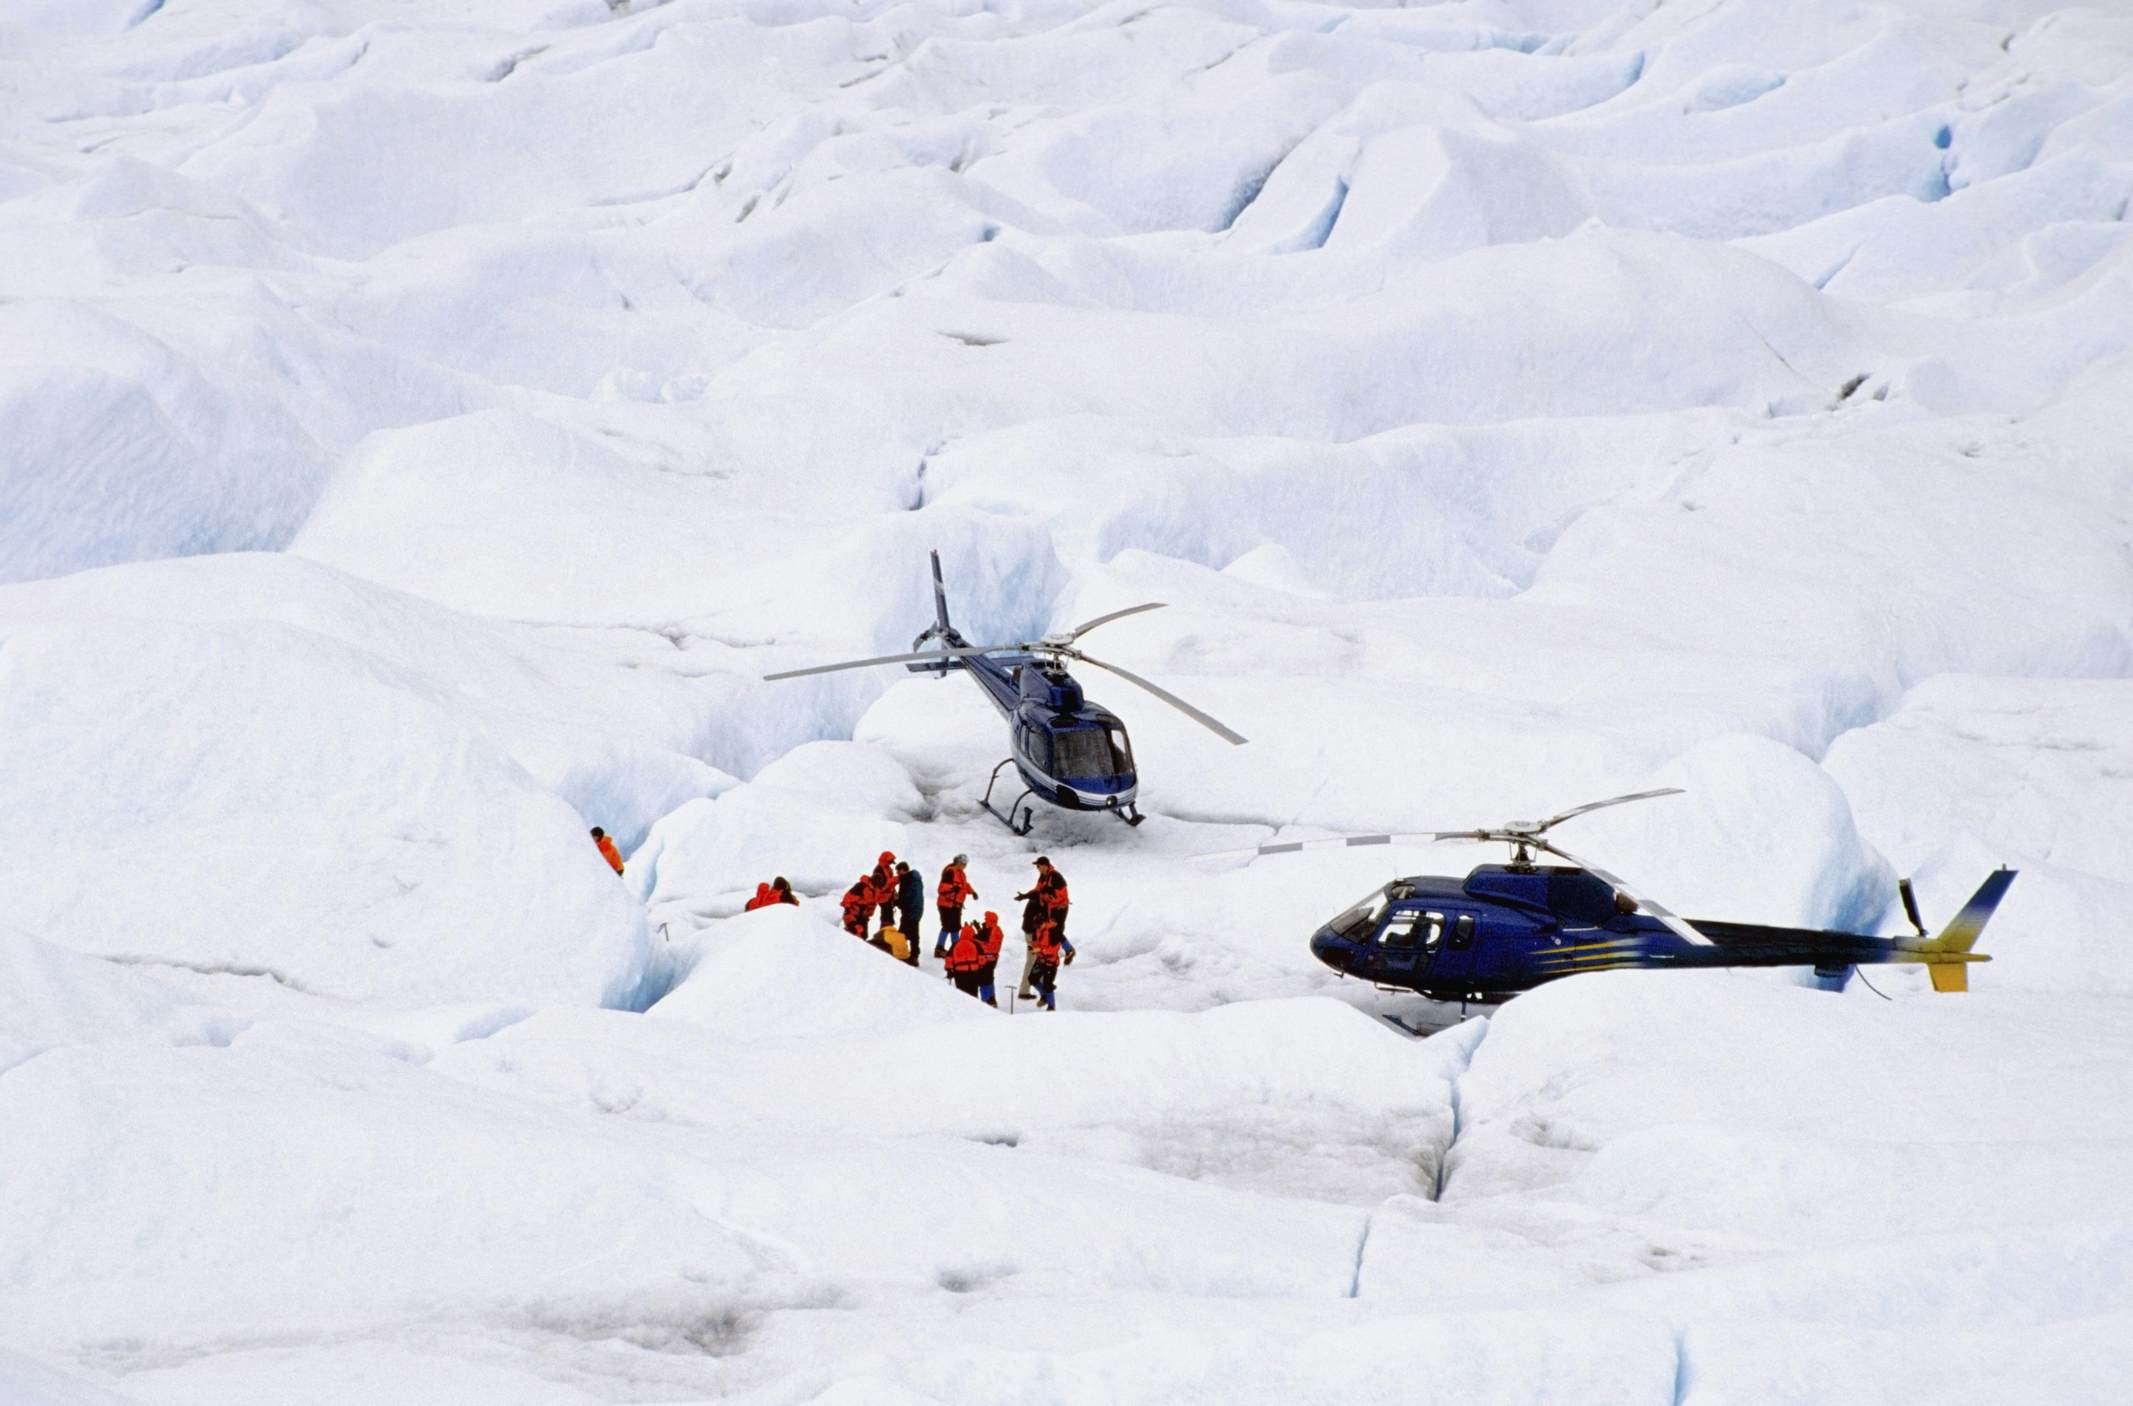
(1910, 906)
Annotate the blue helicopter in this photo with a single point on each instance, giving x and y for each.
(1507, 928)
(1068, 751)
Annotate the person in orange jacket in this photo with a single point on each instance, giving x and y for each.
(1047, 899)
(1049, 951)
(965, 959)
(608, 851)
(882, 884)
(858, 906)
(763, 898)
(949, 898)
(974, 956)
(990, 939)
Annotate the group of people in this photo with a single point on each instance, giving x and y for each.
(970, 951)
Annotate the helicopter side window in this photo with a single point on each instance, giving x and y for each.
(1121, 751)
(1400, 932)
(1432, 931)
(1463, 930)
(1037, 746)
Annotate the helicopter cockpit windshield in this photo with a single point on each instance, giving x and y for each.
(1091, 753)
(1362, 920)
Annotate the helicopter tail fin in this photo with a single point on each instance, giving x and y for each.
(940, 634)
(940, 598)
(1948, 955)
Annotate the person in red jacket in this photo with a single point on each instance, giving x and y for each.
(859, 906)
(990, 939)
(1045, 899)
(1049, 951)
(608, 851)
(953, 893)
(882, 883)
(964, 959)
(763, 898)
(972, 958)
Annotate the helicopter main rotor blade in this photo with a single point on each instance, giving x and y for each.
(1602, 805)
(1344, 842)
(911, 657)
(1235, 739)
(1087, 625)
(1674, 921)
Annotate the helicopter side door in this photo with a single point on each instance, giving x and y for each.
(1407, 944)
(1035, 746)
(1456, 956)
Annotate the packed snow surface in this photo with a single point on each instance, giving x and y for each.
(423, 425)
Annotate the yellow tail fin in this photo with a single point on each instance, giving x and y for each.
(1948, 955)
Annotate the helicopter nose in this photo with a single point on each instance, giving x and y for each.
(1333, 951)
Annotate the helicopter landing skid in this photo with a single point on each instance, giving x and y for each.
(1029, 818)
(1131, 814)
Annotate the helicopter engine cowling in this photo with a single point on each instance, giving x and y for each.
(1058, 692)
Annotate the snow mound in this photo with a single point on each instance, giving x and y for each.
(304, 808)
(785, 974)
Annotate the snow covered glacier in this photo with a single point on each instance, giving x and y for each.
(422, 425)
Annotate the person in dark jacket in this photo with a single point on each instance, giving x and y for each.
(781, 888)
(910, 904)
